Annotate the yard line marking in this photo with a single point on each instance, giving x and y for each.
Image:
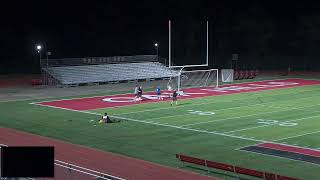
(182, 106)
(290, 137)
(215, 102)
(189, 129)
(164, 117)
(270, 112)
(294, 120)
(158, 124)
(87, 112)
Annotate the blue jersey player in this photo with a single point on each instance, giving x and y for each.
(158, 92)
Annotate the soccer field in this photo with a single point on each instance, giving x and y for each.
(219, 127)
(239, 129)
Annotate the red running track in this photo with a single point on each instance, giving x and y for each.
(149, 97)
(106, 162)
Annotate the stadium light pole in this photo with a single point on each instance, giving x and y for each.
(48, 54)
(156, 45)
(39, 51)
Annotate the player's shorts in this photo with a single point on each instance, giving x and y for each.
(174, 98)
(158, 93)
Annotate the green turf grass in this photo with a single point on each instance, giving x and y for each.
(162, 130)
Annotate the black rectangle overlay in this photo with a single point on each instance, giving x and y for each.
(27, 161)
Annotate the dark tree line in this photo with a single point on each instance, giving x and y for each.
(265, 34)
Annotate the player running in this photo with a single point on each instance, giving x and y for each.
(140, 93)
(174, 97)
(136, 93)
(158, 92)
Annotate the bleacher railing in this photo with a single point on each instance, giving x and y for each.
(98, 60)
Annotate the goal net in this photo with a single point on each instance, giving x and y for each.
(196, 78)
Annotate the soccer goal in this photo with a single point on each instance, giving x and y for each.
(195, 78)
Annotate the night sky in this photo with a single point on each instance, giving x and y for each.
(257, 30)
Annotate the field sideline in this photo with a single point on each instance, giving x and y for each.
(216, 127)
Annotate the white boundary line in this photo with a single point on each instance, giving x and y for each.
(189, 129)
(90, 170)
(67, 165)
(283, 109)
(290, 137)
(295, 146)
(294, 120)
(159, 124)
(151, 91)
(174, 107)
(164, 117)
(279, 157)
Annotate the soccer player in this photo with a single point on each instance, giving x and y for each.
(105, 119)
(136, 93)
(174, 97)
(140, 93)
(158, 92)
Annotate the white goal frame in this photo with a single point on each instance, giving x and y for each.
(181, 71)
(196, 65)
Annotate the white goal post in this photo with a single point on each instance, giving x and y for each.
(195, 78)
(194, 65)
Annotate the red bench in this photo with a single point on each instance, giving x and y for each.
(231, 168)
(36, 82)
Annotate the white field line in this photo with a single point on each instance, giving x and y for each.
(290, 137)
(90, 170)
(274, 142)
(198, 104)
(83, 169)
(294, 120)
(283, 109)
(168, 100)
(149, 91)
(189, 129)
(164, 117)
(218, 110)
(176, 107)
(49, 97)
(159, 124)
(298, 161)
(154, 123)
(87, 112)
(166, 125)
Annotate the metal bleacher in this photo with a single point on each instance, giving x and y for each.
(82, 74)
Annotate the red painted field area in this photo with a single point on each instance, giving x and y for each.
(294, 149)
(128, 99)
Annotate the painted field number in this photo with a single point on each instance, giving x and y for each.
(202, 113)
(275, 122)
